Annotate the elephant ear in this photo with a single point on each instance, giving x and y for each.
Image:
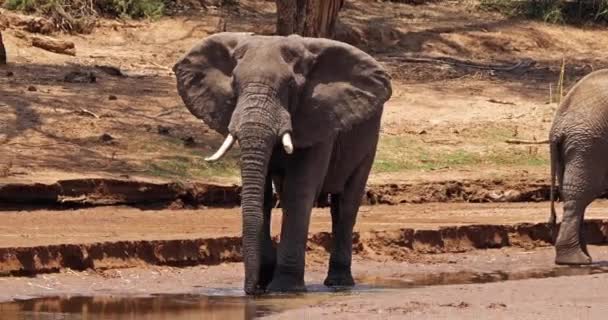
(344, 87)
(204, 79)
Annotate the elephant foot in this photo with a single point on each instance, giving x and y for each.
(574, 256)
(269, 259)
(253, 290)
(339, 280)
(266, 273)
(286, 283)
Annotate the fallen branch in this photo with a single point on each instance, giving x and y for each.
(525, 63)
(500, 101)
(89, 113)
(166, 113)
(518, 141)
(54, 45)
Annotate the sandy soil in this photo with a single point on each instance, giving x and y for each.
(47, 136)
(34, 228)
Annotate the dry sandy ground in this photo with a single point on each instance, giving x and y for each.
(107, 224)
(445, 120)
(497, 283)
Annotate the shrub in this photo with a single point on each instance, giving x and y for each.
(552, 11)
(79, 16)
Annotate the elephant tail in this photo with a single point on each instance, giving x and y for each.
(557, 171)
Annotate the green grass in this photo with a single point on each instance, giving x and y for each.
(132, 8)
(115, 8)
(168, 158)
(181, 168)
(484, 147)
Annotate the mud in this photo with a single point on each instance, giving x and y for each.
(211, 251)
(99, 191)
(219, 297)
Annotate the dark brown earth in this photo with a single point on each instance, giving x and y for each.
(99, 192)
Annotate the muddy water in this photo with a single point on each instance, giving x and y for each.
(226, 303)
(212, 304)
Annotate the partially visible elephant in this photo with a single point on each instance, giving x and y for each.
(306, 113)
(579, 153)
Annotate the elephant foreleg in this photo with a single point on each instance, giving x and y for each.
(344, 209)
(301, 185)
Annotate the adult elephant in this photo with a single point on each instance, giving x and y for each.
(306, 113)
(579, 147)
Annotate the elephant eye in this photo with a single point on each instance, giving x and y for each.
(288, 54)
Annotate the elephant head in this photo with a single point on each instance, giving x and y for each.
(266, 90)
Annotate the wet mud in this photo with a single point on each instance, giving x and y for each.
(226, 303)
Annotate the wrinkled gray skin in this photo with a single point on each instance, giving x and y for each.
(329, 96)
(579, 149)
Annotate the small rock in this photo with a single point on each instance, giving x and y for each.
(177, 204)
(189, 142)
(106, 137)
(10, 74)
(512, 196)
(423, 131)
(112, 97)
(460, 305)
(110, 70)
(32, 88)
(163, 130)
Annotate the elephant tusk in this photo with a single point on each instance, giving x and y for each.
(287, 144)
(222, 150)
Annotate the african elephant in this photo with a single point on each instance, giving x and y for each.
(579, 147)
(306, 113)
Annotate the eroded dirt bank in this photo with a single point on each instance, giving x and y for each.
(115, 237)
(100, 191)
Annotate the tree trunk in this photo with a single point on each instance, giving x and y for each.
(2, 51)
(309, 18)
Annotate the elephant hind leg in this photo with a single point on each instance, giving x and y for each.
(570, 245)
(344, 209)
(583, 182)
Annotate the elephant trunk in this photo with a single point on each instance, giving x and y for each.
(256, 148)
(257, 126)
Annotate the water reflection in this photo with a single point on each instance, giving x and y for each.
(208, 304)
(178, 307)
(231, 303)
(469, 277)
